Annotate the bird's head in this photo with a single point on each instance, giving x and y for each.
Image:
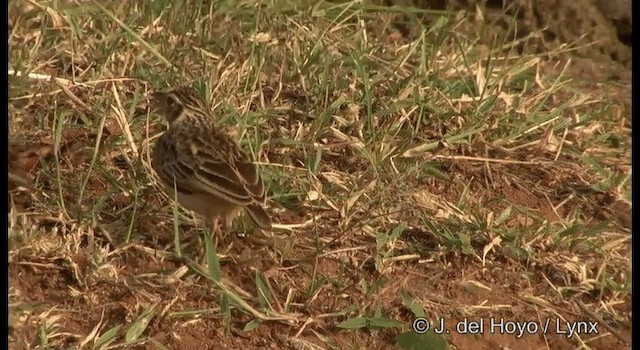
(174, 103)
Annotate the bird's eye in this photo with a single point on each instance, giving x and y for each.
(174, 107)
(171, 102)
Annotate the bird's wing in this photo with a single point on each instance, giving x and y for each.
(224, 165)
(221, 179)
(214, 180)
(217, 167)
(241, 178)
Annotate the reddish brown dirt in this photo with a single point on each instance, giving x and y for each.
(53, 285)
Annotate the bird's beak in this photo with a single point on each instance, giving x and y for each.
(144, 105)
(150, 97)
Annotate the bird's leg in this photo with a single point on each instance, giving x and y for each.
(214, 228)
(224, 228)
(220, 235)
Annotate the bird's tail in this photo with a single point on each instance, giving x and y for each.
(259, 215)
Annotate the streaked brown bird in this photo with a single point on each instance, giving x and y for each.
(210, 173)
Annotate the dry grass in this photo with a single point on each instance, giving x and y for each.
(409, 177)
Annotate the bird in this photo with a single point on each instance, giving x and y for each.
(200, 163)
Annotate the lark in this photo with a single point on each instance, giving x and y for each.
(203, 165)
